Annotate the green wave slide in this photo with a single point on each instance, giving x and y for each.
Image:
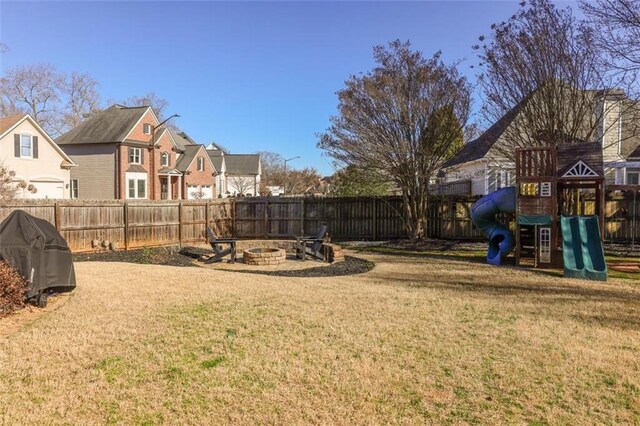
(582, 248)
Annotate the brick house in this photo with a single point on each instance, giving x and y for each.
(121, 153)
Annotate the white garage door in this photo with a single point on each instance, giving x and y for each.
(48, 190)
(207, 192)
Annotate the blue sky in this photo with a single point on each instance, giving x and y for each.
(250, 75)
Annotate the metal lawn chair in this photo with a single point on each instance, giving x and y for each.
(219, 252)
(311, 246)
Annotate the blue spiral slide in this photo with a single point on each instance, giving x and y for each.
(483, 216)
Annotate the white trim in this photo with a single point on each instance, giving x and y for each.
(30, 156)
(42, 133)
(544, 250)
(139, 120)
(206, 155)
(130, 154)
(136, 177)
(580, 169)
(164, 155)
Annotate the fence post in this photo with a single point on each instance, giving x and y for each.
(56, 215)
(234, 227)
(374, 219)
(266, 219)
(302, 217)
(207, 204)
(126, 226)
(180, 224)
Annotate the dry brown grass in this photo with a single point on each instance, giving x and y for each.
(417, 340)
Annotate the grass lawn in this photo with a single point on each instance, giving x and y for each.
(419, 339)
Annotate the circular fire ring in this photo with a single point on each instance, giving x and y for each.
(264, 256)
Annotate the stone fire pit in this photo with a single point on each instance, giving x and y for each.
(264, 256)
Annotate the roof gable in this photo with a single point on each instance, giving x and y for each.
(7, 124)
(580, 169)
(109, 126)
(190, 153)
(242, 164)
(479, 148)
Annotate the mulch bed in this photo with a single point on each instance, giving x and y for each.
(350, 266)
(152, 256)
(174, 257)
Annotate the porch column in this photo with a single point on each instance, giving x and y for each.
(169, 187)
(179, 187)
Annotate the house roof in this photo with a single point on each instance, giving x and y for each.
(242, 164)
(6, 123)
(217, 158)
(478, 148)
(9, 122)
(108, 126)
(181, 139)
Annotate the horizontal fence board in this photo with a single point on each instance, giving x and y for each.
(135, 224)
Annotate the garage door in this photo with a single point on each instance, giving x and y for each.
(48, 190)
(207, 192)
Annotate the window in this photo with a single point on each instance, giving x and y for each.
(545, 245)
(146, 128)
(164, 159)
(25, 146)
(142, 188)
(545, 189)
(633, 177)
(200, 164)
(136, 185)
(135, 156)
(73, 188)
(529, 189)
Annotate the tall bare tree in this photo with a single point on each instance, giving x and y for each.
(82, 99)
(272, 171)
(33, 89)
(151, 99)
(617, 31)
(543, 73)
(57, 101)
(385, 123)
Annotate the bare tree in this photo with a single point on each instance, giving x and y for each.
(385, 123)
(543, 75)
(57, 101)
(3, 47)
(617, 31)
(151, 99)
(81, 100)
(272, 171)
(33, 89)
(242, 185)
(303, 181)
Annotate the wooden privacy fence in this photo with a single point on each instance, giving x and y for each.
(129, 224)
(135, 224)
(346, 218)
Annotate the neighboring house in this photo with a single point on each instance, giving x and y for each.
(480, 168)
(122, 154)
(42, 169)
(239, 174)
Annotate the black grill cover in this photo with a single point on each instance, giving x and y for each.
(35, 248)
